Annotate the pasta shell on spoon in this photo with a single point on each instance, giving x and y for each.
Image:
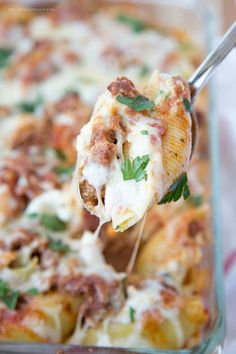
(135, 146)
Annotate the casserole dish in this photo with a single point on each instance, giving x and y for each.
(180, 16)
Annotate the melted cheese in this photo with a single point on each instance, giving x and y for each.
(91, 259)
(53, 202)
(140, 300)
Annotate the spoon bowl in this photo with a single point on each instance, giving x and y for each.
(194, 130)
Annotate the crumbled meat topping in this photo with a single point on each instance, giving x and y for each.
(124, 87)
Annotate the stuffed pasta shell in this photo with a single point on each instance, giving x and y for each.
(135, 146)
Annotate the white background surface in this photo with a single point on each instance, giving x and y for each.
(226, 81)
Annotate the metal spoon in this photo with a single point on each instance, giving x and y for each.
(200, 77)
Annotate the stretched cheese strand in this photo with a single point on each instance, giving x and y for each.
(133, 257)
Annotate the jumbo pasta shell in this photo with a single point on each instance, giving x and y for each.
(177, 140)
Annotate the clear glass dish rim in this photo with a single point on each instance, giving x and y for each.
(216, 337)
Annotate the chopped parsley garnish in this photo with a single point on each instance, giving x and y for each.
(187, 105)
(185, 46)
(65, 170)
(32, 215)
(50, 222)
(5, 54)
(144, 70)
(8, 296)
(60, 154)
(135, 169)
(30, 107)
(165, 94)
(196, 200)
(135, 24)
(132, 314)
(177, 189)
(70, 91)
(144, 132)
(138, 103)
(32, 292)
(58, 246)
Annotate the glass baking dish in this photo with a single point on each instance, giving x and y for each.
(195, 18)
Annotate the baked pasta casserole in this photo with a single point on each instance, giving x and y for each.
(59, 281)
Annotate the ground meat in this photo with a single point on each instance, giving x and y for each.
(195, 227)
(6, 259)
(170, 298)
(4, 111)
(123, 86)
(25, 178)
(180, 88)
(164, 107)
(113, 55)
(103, 144)
(99, 296)
(71, 57)
(34, 66)
(21, 237)
(40, 248)
(101, 134)
(151, 318)
(72, 105)
(115, 122)
(104, 153)
(62, 135)
(69, 11)
(28, 132)
(170, 60)
(88, 193)
(69, 102)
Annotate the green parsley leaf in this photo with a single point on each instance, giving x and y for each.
(187, 105)
(135, 24)
(144, 132)
(65, 170)
(177, 189)
(8, 296)
(32, 292)
(52, 222)
(60, 154)
(144, 70)
(30, 107)
(5, 54)
(185, 46)
(132, 314)
(135, 169)
(58, 246)
(138, 104)
(32, 215)
(165, 94)
(196, 200)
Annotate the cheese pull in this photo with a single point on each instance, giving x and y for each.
(134, 148)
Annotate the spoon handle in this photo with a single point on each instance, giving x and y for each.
(214, 58)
